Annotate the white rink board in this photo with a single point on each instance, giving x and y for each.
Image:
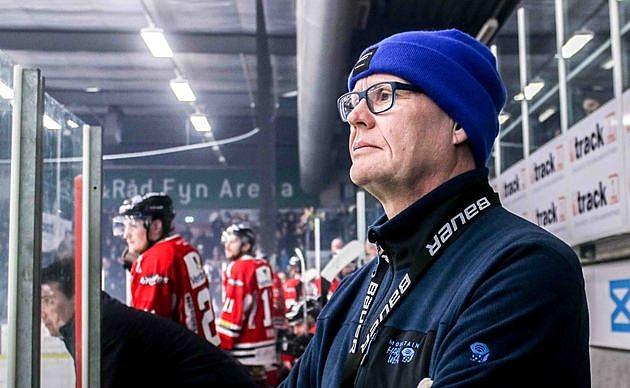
(576, 186)
(595, 181)
(513, 190)
(549, 205)
(608, 294)
(626, 131)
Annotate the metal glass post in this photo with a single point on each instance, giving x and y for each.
(318, 243)
(25, 230)
(615, 40)
(91, 257)
(497, 141)
(361, 224)
(562, 67)
(522, 60)
(497, 155)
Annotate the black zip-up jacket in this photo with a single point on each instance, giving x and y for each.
(139, 349)
(503, 306)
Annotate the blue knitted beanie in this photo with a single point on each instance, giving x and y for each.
(455, 70)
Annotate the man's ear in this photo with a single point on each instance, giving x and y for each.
(156, 228)
(459, 135)
(245, 247)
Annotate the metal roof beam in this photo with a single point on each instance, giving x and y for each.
(128, 41)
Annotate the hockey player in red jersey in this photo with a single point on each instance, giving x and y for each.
(278, 306)
(292, 287)
(167, 277)
(246, 322)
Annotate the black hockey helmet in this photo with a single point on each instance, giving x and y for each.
(148, 207)
(295, 264)
(296, 313)
(244, 233)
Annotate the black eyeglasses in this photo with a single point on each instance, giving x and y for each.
(380, 97)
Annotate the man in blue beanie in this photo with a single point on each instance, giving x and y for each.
(464, 293)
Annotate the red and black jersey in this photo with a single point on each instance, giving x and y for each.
(246, 323)
(168, 280)
(278, 308)
(314, 289)
(333, 286)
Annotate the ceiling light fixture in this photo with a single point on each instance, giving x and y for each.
(72, 124)
(156, 42)
(215, 148)
(519, 97)
(494, 50)
(547, 113)
(200, 122)
(607, 65)
(503, 117)
(290, 94)
(576, 43)
(5, 91)
(182, 90)
(49, 123)
(533, 88)
(487, 31)
(92, 89)
(221, 159)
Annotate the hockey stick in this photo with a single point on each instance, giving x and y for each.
(300, 256)
(351, 251)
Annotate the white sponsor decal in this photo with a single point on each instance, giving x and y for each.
(195, 270)
(263, 276)
(153, 280)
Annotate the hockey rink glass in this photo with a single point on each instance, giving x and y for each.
(379, 97)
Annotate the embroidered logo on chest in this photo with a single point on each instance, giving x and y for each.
(480, 352)
(401, 351)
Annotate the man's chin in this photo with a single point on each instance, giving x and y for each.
(361, 175)
(53, 332)
(136, 251)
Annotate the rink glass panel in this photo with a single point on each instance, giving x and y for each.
(511, 126)
(624, 16)
(62, 146)
(589, 71)
(542, 66)
(6, 77)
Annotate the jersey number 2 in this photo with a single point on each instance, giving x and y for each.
(207, 321)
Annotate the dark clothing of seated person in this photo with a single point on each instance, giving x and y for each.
(138, 348)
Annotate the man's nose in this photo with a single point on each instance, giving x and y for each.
(361, 115)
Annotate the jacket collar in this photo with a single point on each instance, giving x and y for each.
(406, 234)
